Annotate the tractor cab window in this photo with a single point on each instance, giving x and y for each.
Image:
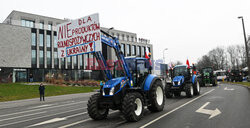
(180, 71)
(118, 70)
(142, 71)
(207, 70)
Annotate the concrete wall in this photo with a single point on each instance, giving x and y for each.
(15, 46)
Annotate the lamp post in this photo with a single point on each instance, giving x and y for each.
(246, 46)
(164, 55)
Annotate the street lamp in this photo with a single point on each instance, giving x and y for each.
(246, 46)
(164, 55)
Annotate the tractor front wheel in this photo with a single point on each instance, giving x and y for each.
(197, 88)
(133, 106)
(168, 92)
(189, 90)
(94, 111)
(156, 97)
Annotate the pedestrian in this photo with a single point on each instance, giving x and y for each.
(41, 90)
(31, 77)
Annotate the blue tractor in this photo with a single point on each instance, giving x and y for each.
(129, 89)
(183, 79)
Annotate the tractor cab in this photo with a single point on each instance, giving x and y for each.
(181, 73)
(138, 67)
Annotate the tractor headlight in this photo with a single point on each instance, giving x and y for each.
(173, 83)
(179, 82)
(103, 93)
(112, 91)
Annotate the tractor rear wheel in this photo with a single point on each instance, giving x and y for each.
(133, 106)
(156, 97)
(189, 90)
(94, 111)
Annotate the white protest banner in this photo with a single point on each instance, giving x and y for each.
(79, 36)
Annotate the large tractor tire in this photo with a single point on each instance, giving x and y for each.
(197, 88)
(189, 90)
(94, 111)
(133, 106)
(156, 97)
(168, 92)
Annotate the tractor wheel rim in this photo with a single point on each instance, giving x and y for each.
(198, 87)
(159, 95)
(138, 106)
(191, 90)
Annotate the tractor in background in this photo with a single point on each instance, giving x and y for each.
(183, 79)
(208, 77)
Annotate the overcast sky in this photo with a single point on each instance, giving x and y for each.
(188, 28)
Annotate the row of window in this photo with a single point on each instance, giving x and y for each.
(134, 51)
(31, 24)
(41, 40)
(124, 38)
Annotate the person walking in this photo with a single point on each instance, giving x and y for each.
(41, 90)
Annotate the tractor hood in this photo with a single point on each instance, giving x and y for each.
(113, 82)
(113, 86)
(178, 80)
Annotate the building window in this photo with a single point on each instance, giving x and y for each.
(41, 26)
(118, 36)
(149, 50)
(123, 48)
(128, 50)
(49, 26)
(33, 39)
(143, 51)
(41, 40)
(138, 50)
(132, 39)
(68, 62)
(127, 38)
(62, 62)
(85, 62)
(55, 59)
(41, 62)
(27, 23)
(75, 61)
(81, 63)
(123, 37)
(55, 42)
(48, 59)
(33, 57)
(48, 41)
(133, 50)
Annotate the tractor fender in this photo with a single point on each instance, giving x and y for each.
(149, 81)
(193, 79)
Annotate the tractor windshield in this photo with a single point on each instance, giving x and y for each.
(180, 71)
(207, 70)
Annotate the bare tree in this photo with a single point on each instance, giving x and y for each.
(218, 57)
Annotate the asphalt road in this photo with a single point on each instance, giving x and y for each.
(224, 106)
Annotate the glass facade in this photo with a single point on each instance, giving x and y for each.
(41, 61)
(128, 50)
(69, 62)
(133, 50)
(41, 40)
(33, 57)
(138, 50)
(27, 23)
(55, 59)
(80, 59)
(62, 63)
(75, 61)
(48, 59)
(49, 26)
(143, 51)
(123, 48)
(41, 25)
(48, 41)
(55, 42)
(33, 39)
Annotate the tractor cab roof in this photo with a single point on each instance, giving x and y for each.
(135, 58)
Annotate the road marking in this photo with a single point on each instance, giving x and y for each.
(40, 117)
(46, 105)
(22, 116)
(176, 109)
(41, 109)
(56, 119)
(230, 89)
(212, 113)
(69, 125)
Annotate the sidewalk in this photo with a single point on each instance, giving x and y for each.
(26, 102)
